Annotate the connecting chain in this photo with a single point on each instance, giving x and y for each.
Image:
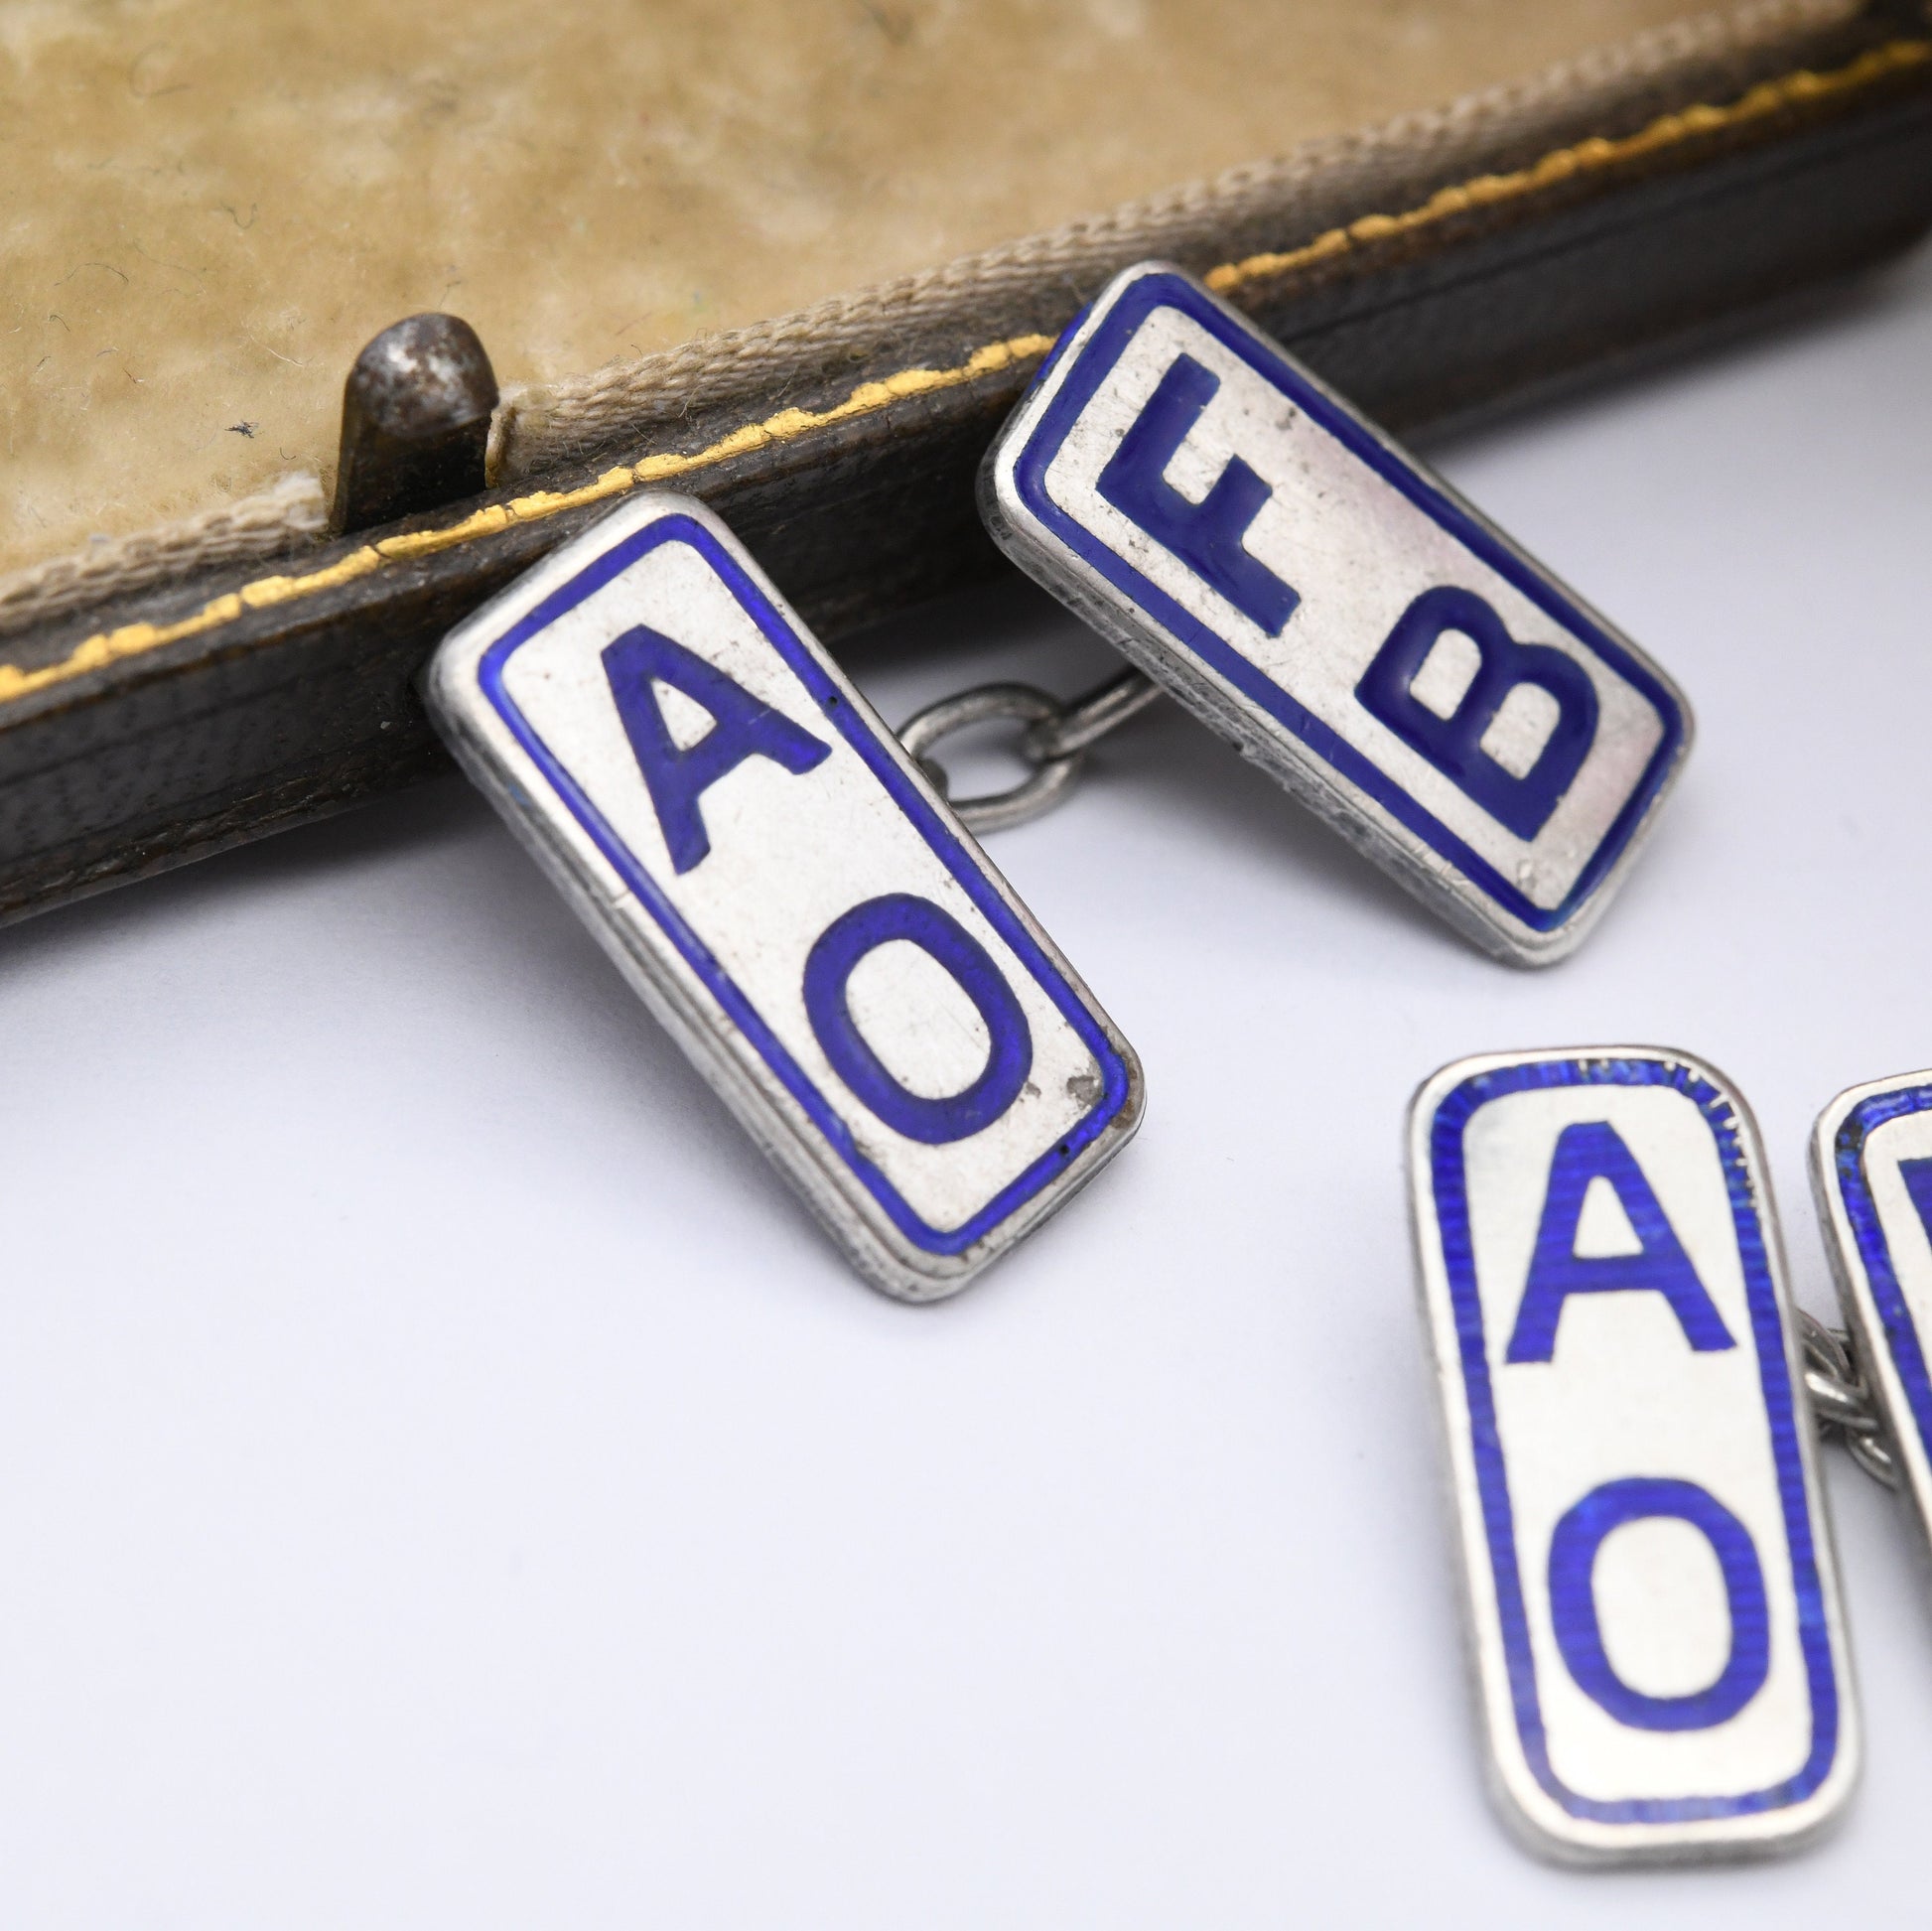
(1055, 743)
(1840, 1400)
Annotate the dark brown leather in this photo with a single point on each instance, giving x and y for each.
(306, 705)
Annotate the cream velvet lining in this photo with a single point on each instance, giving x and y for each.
(211, 205)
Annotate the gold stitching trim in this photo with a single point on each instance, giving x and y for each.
(135, 639)
(1666, 131)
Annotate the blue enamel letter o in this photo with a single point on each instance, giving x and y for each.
(918, 922)
(1574, 1548)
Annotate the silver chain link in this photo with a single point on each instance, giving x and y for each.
(1841, 1398)
(1055, 743)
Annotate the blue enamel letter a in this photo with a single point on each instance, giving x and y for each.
(1585, 1154)
(742, 727)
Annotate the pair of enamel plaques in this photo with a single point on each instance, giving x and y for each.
(1651, 1605)
(812, 923)
(1653, 1608)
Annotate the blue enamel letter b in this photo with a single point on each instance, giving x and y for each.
(1454, 745)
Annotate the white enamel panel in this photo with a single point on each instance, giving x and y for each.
(1357, 534)
(717, 889)
(1871, 1174)
(1652, 1606)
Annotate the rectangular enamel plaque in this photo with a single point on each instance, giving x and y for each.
(782, 887)
(1331, 605)
(1653, 1605)
(1871, 1172)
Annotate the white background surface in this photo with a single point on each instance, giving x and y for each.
(445, 1480)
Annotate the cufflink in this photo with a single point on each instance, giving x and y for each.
(1651, 1601)
(1317, 596)
(785, 891)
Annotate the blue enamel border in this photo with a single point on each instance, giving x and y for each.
(842, 718)
(1094, 362)
(1492, 1474)
(1874, 1250)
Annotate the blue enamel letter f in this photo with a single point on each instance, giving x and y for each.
(1207, 536)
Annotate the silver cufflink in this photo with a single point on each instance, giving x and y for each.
(778, 881)
(1315, 595)
(1651, 1600)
